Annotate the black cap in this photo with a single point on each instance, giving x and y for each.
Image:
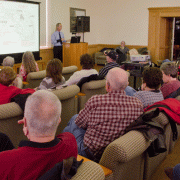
(112, 54)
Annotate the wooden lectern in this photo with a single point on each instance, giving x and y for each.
(72, 53)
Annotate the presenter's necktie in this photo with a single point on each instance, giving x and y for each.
(60, 38)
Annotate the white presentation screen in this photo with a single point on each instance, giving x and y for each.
(19, 27)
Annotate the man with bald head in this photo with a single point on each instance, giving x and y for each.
(43, 150)
(105, 117)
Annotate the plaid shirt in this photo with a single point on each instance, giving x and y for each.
(105, 118)
(170, 87)
(149, 97)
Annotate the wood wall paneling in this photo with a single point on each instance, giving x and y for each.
(72, 53)
(159, 34)
(47, 53)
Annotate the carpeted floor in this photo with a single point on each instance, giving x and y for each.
(170, 161)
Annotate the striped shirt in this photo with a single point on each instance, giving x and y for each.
(103, 72)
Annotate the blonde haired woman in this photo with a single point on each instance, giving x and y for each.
(28, 64)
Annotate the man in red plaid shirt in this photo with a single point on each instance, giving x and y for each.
(105, 117)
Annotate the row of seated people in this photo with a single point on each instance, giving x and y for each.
(105, 117)
(28, 65)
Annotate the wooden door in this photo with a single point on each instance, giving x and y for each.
(165, 38)
(159, 35)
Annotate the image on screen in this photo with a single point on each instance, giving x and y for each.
(19, 27)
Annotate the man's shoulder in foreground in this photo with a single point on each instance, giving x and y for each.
(30, 156)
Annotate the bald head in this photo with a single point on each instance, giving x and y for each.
(117, 79)
(42, 113)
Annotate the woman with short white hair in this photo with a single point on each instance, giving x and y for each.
(8, 61)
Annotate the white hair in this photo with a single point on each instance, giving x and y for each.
(117, 78)
(42, 112)
(8, 61)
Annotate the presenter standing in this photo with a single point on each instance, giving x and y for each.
(57, 39)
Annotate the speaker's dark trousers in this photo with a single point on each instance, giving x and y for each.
(57, 50)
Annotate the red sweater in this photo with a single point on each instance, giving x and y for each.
(31, 160)
(8, 92)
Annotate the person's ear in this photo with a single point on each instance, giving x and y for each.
(25, 129)
(143, 86)
(107, 86)
(59, 120)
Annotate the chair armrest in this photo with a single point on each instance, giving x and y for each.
(124, 149)
(67, 92)
(106, 170)
(10, 110)
(69, 69)
(36, 75)
(89, 170)
(81, 100)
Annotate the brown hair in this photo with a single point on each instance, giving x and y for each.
(7, 75)
(86, 61)
(169, 68)
(29, 62)
(152, 76)
(54, 70)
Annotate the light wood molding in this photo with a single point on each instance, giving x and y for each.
(47, 53)
(159, 34)
(106, 170)
(72, 53)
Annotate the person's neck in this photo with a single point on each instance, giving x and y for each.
(110, 61)
(149, 89)
(172, 79)
(41, 139)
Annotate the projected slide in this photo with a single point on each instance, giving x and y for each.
(19, 27)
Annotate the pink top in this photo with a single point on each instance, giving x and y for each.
(23, 71)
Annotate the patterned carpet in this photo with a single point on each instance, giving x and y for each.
(171, 160)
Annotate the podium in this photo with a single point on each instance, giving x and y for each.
(72, 53)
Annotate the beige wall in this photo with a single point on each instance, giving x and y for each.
(110, 21)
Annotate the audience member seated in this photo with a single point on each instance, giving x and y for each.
(122, 51)
(87, 64)
(9, 61)
(43, 150)
(5, 143)
(7, 76)
(111, 58)
(54, 78)
(173, 173)
(104, 117)
(28, 64)
(152, 78)
(123, 48)
(171, 86)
